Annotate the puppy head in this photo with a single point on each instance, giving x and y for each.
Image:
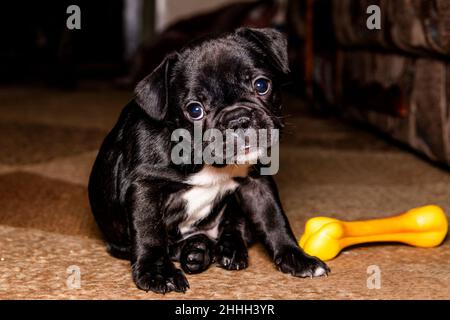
(230, 82)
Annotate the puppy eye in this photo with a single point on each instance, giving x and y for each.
(195, 110)
(261, 86)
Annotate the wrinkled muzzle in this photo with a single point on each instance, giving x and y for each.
(247, 133)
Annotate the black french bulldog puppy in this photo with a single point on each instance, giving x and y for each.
(153, 211)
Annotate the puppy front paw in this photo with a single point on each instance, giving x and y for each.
(159, 278)
(299, 264)
(231, 254)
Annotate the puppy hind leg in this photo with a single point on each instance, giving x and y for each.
(196, 254)
(120, 252)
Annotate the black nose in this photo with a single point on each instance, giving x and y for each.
(238, 118)
(240, 123)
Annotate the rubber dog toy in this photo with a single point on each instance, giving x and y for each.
(421, 227)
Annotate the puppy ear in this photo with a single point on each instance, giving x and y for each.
(151, 93)
(271, 43)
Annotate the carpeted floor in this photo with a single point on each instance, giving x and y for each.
(48, 141)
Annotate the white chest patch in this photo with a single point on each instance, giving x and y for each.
(208, 185)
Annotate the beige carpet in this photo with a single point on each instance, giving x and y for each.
(48, 141)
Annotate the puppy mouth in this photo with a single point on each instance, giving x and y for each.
(246, 147)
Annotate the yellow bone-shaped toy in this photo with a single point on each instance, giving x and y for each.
(421, 227)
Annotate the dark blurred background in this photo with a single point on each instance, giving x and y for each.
(120, 41)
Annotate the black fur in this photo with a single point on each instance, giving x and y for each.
(135, 190)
